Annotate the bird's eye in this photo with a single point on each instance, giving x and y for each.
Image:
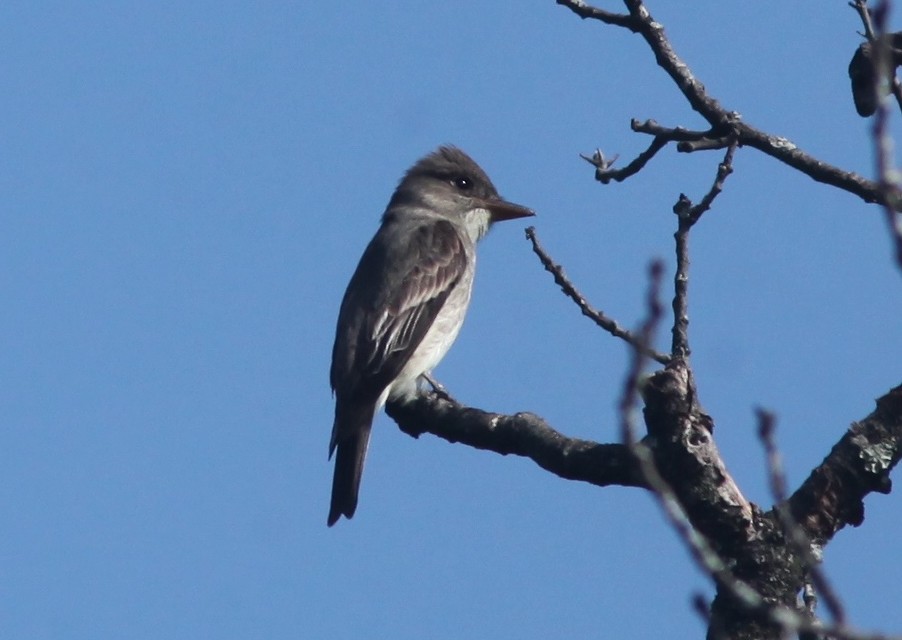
(462, 182)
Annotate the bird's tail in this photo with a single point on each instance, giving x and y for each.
(351, 436)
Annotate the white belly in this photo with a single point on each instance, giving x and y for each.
(438, 339)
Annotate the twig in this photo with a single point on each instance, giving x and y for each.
(688, 214)
(861, 6)
(687, 141)
(603, 321)
(723, 122)
(604, 173)
(887, 174)
(724, 169)
(678, 134)
(680, 332)
(801, 543)
(586, 11)
(629, 400)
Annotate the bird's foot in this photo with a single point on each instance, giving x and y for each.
(438, 388)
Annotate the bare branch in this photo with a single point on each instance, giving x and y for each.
(680, 332)
(759, 561)
(586, 11)
(861, 6)
(788, 153)
(693, 90)
(677, 134)
(724, 169)
(604, 173)
(860, 463)
(801, 544)
(714, 524)
(887, 175)
(705, 556)
(688, 215)
(521, 434)
(603, 321)
(687, 141)
(725, 122)
(605, 464)
(629, 399)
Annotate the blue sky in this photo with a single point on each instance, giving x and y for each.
(187, 188)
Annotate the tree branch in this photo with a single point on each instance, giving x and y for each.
(759, 561)
(688, 215)
(788, 153)
(604, 172)
(586, 11)
(860, 463)
(801, 544)
(596, 316)
(521, 434)
(725, 125)
(886, 173)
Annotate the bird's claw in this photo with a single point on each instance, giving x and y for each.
(437, 387)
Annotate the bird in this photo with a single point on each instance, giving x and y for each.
(406, 301)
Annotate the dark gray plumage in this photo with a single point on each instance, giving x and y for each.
(406, 301)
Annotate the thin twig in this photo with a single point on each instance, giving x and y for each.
(687, 141)
(629, 401)
(677, 134)
(587, 310)
(724, 169)
(688, 214)
(721, 120)
(887, 174)
(586, 11)
(861, 6)
(680, 332)
(604, 173)
(797, 537)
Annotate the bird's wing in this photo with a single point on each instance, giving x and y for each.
(387, 311)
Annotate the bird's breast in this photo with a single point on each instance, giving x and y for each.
(438, 339)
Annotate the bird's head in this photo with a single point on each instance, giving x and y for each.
(449, 184)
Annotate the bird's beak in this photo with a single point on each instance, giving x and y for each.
(504, 210)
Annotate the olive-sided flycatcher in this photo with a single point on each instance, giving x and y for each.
(406, 301)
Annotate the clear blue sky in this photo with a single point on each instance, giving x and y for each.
(186, 189)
